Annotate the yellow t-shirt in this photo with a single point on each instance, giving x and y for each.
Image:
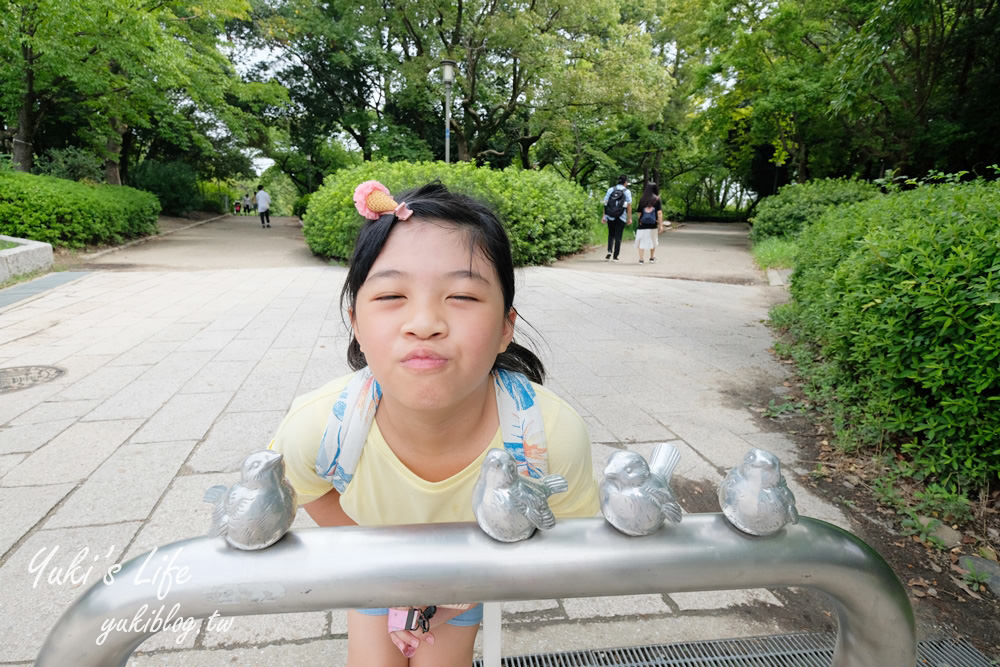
(385, 492)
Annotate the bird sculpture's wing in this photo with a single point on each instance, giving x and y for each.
(545, 486)
(666, 502)
(238, 502)
(216, 496)
(788, 500)
(535, 506)
(555, 484)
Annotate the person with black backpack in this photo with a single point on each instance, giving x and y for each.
(617, 214)
(650, 225)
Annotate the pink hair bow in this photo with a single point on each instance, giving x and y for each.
(373, 200)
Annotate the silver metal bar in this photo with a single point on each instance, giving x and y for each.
(330, 568)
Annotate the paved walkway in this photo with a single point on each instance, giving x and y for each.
(181, 355)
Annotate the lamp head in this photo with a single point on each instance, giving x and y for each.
(448, 71)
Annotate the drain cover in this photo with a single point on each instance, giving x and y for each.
(798, 650)
(16, 378)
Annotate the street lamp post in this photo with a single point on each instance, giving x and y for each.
(448, 76)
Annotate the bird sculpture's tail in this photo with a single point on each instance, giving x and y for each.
(664, 460)
(216, 495)
(554, 484)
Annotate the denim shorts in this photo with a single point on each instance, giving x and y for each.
(466, 619)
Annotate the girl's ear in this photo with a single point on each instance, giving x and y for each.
(354, 327)
(508, 330)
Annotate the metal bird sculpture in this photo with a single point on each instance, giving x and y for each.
(256, 511)
(635, 496)
(508, 506)
(754, 496)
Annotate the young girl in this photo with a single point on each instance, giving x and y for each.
(439, 381)
(650, 222)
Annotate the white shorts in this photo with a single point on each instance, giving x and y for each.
(647, 239)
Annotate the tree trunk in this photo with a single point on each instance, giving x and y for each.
(525, 144)
(463, 146)
(128, 141)
(22, 149)
(27, 117)
(114, 149)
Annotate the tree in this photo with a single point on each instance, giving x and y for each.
(68, 59)
(923, 79)
(520, 67)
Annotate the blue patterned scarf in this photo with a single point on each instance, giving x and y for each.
(521, 426)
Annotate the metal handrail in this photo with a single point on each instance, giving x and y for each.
(330, 568)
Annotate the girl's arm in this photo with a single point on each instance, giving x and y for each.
(326, 510)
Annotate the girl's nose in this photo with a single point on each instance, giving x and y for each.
(425, 321)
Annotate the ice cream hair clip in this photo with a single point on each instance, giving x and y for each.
(373, 200)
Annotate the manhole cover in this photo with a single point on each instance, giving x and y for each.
(16, 378)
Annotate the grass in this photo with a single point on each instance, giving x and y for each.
(775, 253)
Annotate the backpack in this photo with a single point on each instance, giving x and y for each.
(647, 219)
(616, 204)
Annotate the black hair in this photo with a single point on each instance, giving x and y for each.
(650, 195)
(623, 179)
(486, 234)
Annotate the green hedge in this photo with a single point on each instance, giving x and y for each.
(301, 205)
(901, 296)
(546, 216)
(175, 185)
(788, 212)
(67, 213)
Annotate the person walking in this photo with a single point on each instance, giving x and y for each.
(617, 214)
(246, 204)
(650, 225)
(263, 202)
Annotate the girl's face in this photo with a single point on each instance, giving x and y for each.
(429, 317)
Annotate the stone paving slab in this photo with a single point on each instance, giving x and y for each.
(73, 454)
(585, 634)
(30, 437)
(24, 507)
(180, 374)
(319, 653)
(39, 581)
(126, 487)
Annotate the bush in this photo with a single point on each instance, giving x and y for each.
(214, 193)
(75, 164)
(67, 213)
(175, 184)
(901, 297)
(712, 215)
(545, 215)
(788, 212)
(301, 205)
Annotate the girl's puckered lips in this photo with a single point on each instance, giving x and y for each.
(423, 359)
